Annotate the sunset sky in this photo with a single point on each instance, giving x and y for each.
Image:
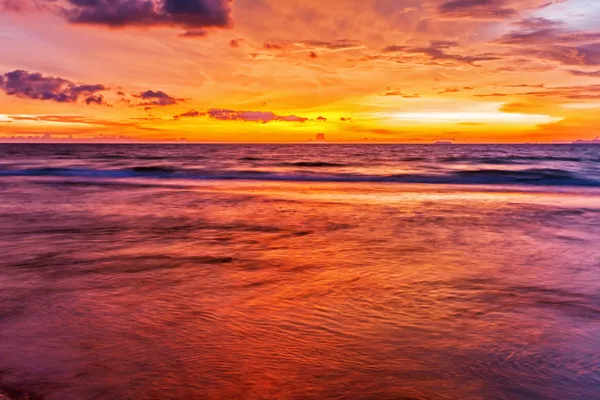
(284, 70)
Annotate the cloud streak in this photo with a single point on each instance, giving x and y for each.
(476, 9)
(261, 117)
(437, 51)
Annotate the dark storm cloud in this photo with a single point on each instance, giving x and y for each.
(156, 98)
(476, 9)
(122, 13)
(36, 86)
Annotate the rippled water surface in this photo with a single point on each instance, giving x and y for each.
(299, 272)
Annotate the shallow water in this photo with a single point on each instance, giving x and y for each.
(135, 280)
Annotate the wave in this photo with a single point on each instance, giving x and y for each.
(312, 164)
(251, 159)
(508, 160)
(157, 169)
(535, 176)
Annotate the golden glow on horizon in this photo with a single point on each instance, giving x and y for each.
(486, 117)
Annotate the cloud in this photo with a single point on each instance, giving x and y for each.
(537, 23)
(590, 92)
(192, 15)
(341, 44)
(273, 46)
(189, 114)
(588, 54)
(492, 95)
(449, 90)
(476, 9)
(122, 13)
(536, 31)
(590, 74)
(546, 36)
(33, 85)
(525, 85)
(436, 51)
(262, 117)
(456, 90)
(156, 98)
(78, 119)
(195, 34)
(398, 92)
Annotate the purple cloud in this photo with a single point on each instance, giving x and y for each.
(189, 114)
(476, 9)
(156, 98)
(542, 31)
(590, 74)
(262, 117)
(546, 36)
(588, 54)
(192, 15)
(36, 86)
(436, 51)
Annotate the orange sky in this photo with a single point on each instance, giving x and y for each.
(284, 70)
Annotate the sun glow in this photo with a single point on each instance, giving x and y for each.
(481, 117)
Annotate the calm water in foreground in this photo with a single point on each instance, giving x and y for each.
(299, 272)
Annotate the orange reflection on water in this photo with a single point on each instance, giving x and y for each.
(294, 291)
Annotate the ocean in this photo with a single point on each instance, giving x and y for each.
(313, 271)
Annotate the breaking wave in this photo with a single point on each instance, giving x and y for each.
(532, 176)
